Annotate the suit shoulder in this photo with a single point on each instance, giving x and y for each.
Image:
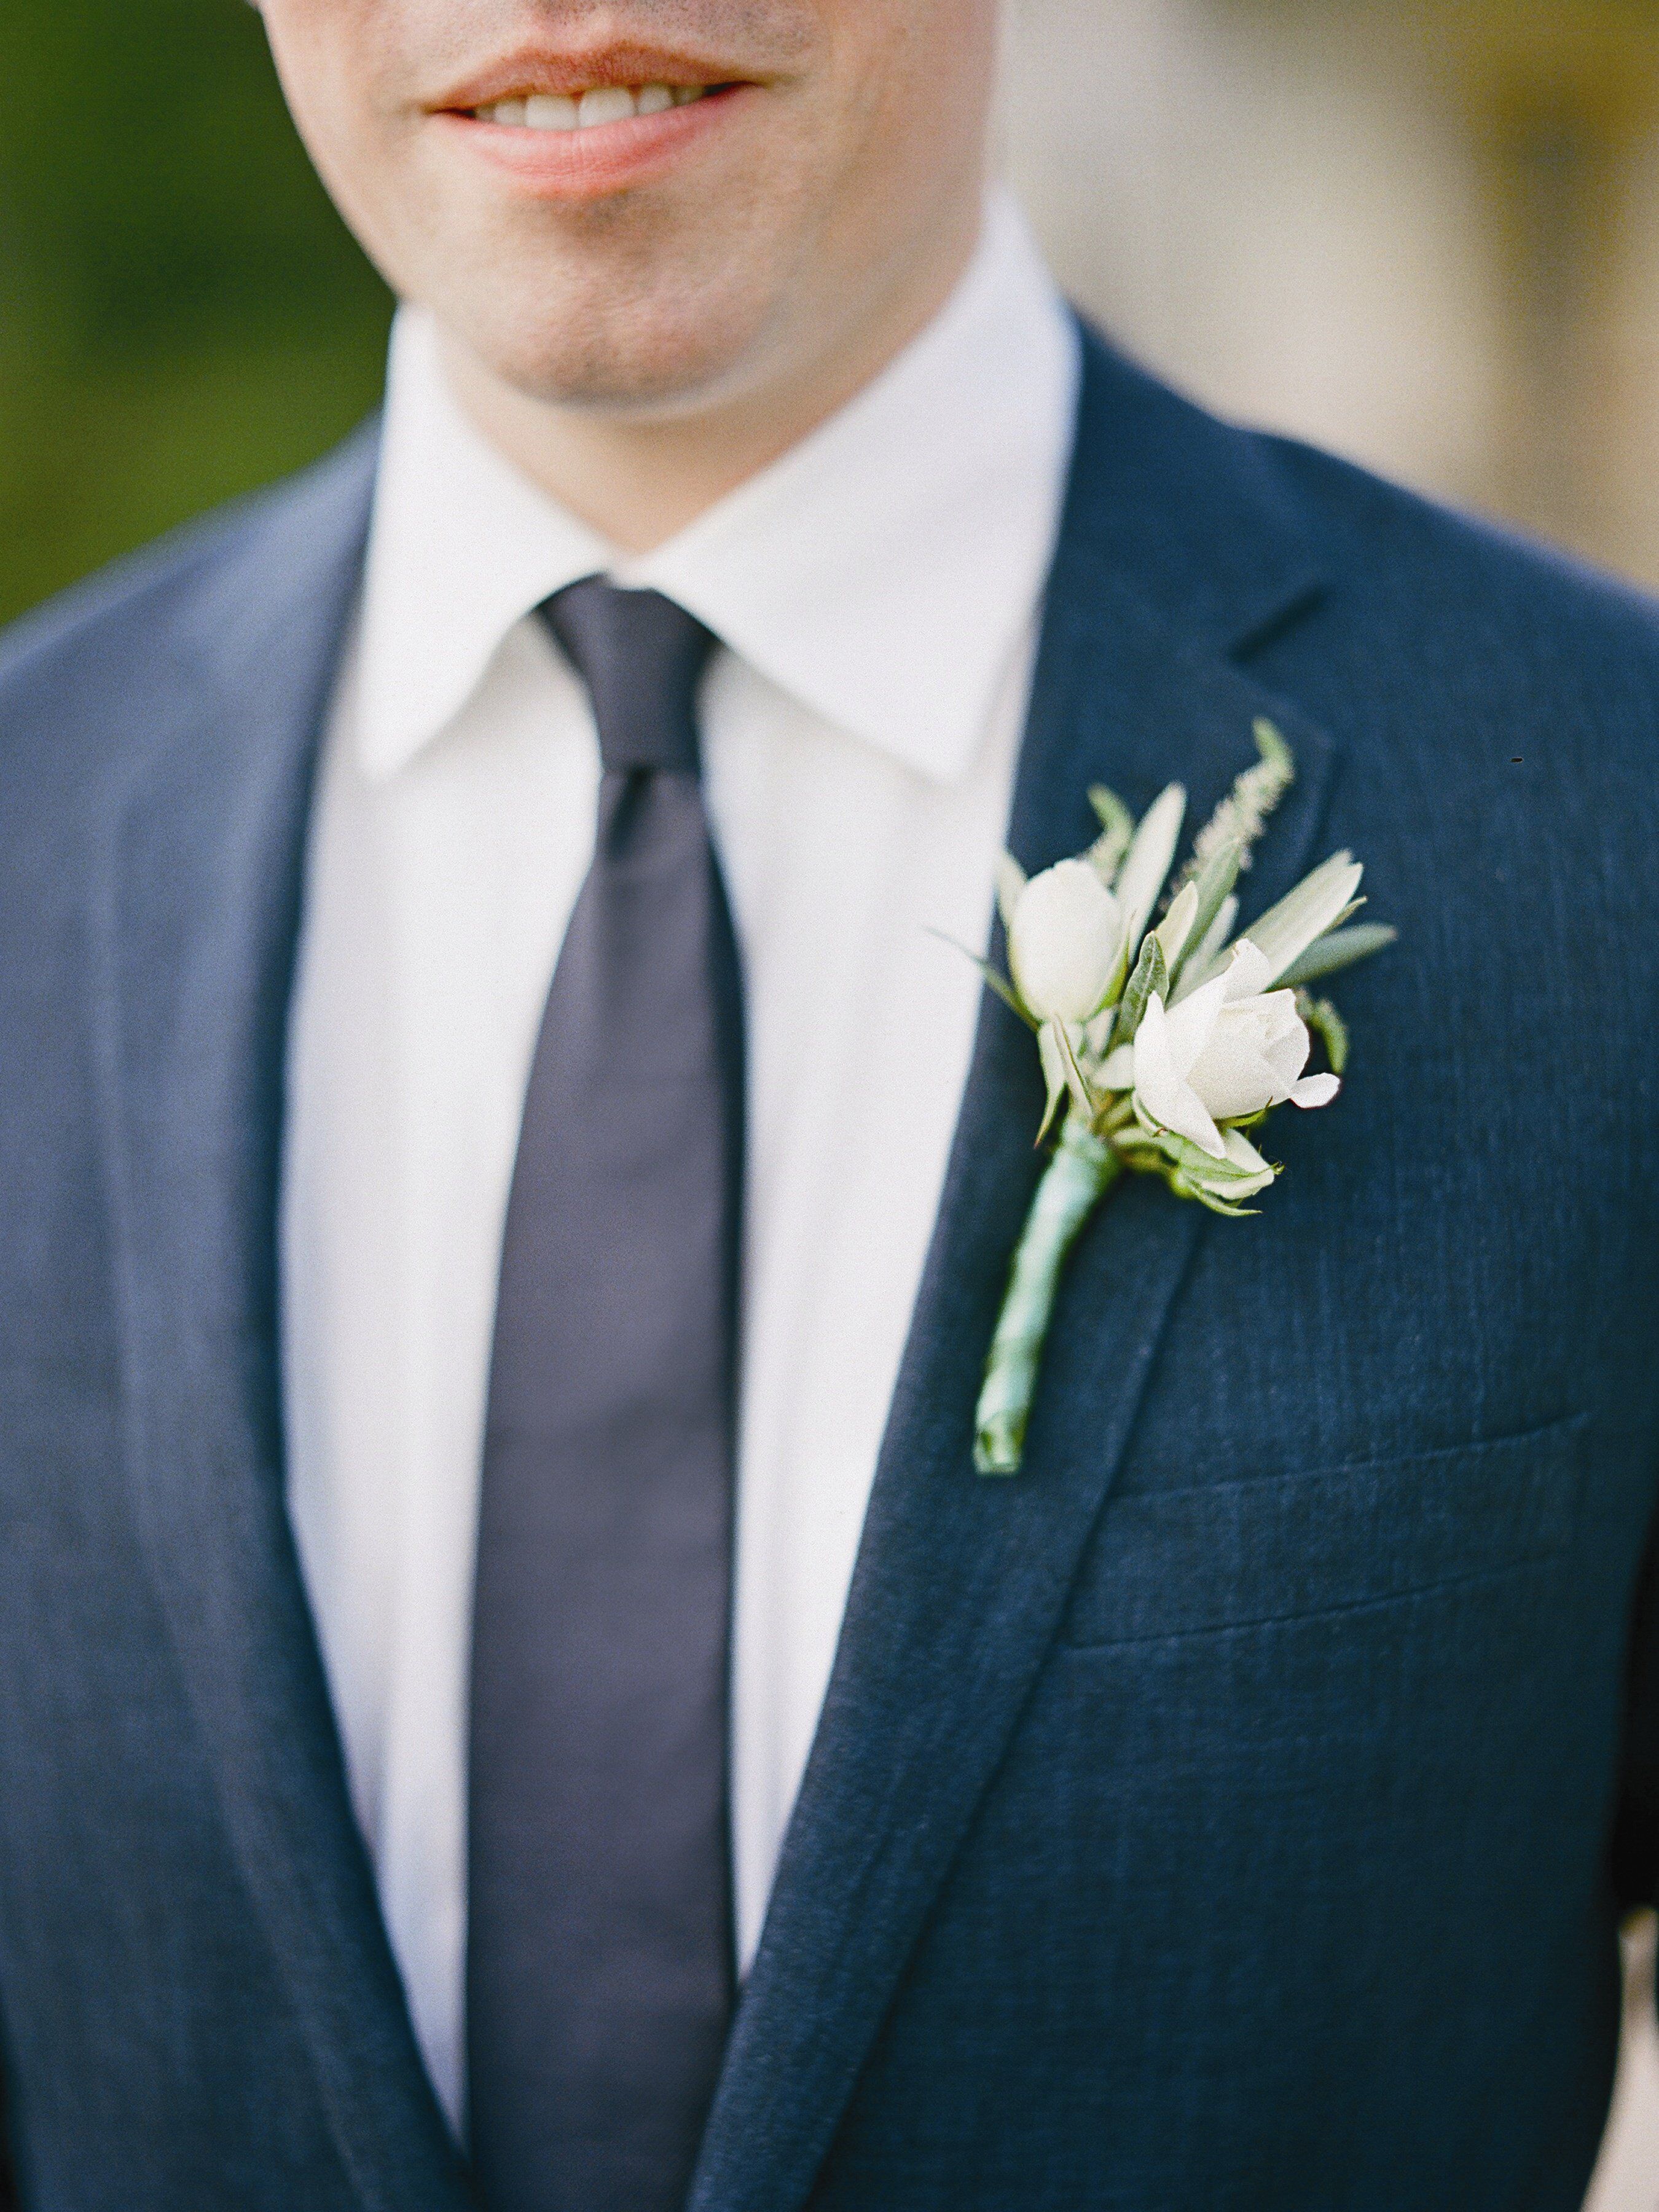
(125, 623)
(1408, 561)
(1226, 524)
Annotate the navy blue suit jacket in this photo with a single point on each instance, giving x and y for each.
(1236, 1810)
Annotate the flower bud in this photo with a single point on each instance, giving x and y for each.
(1063, 941)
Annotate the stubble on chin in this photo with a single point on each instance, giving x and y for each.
(631, 306)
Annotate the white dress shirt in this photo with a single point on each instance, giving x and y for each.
(877, 592)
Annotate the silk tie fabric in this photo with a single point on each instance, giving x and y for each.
(600, 1977)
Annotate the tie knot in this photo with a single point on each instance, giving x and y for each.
(641, 658)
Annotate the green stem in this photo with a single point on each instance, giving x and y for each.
(1083, 1169)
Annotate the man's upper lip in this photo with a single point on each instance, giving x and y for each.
(542, 70)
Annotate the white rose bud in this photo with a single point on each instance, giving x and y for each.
(1063, 942)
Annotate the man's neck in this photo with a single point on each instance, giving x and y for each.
(639, 479)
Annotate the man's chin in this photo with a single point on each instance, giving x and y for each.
(635, 359)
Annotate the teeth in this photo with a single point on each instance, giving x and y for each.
(608, 103)
(611, 103)
(546, 111)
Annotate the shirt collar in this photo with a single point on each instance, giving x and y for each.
(883, 572)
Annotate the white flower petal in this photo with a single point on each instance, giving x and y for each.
(1280, 1008)
(1254, 1053)
(1248, 974)
(1314, 1091)
(1191, 1022)
(1169, 1102)
(1063, 942)
(1286, 1054)
(1231, 1075)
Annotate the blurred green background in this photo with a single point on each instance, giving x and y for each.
(182, 314)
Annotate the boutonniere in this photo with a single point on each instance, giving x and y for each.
(1162, 1042)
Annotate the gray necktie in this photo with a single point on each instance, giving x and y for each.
(599, 1958)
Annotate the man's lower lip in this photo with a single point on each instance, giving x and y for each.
(588, 164)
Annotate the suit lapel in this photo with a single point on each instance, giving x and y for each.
(960, 1582)
(196, 927)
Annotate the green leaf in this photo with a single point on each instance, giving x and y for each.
(1117, 830)
(1213, 883)
(1336, 950)
(1005, 991)
(1097, 1034)
(1273, 748)
(1148, 860)
(1243, 814)
(1112, 814)
(1151, 975)
(1053, 1075)
(1207, 958)
(1202, 1166)
(1174, 1162)
(1075, 1082)
(1179, 1184)
(1175, 931)
(1327, 1026)
(1316, 904)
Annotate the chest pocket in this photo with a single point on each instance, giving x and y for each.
(1237, 1555)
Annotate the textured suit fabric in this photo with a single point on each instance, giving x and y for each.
(1237, 1809)
(600, 1957)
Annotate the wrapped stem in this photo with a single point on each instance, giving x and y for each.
(1084, 1168)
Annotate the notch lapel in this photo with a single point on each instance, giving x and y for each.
(195, 929)
(960, 1582)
